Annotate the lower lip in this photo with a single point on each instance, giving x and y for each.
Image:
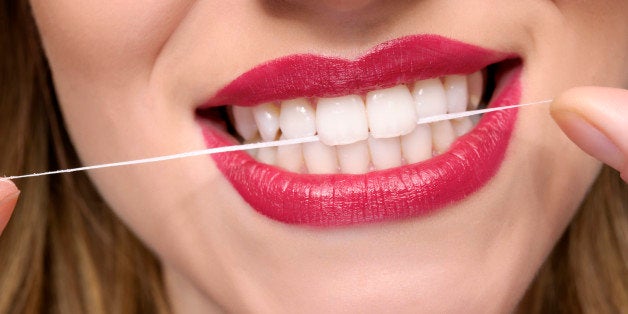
(394, 194)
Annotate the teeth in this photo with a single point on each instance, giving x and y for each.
(385, 152)
(417, 146)
(290, 157)
(341, 120)
(353, 158)
(252, 152)
(298, 119)
(429, 98)
(457, 94)
(267, 155)
(443, 136)
(390, 112)
(476, 87)
(343, 123)
(267, 119)
(320, 158)
(244, 122)
(462, 126)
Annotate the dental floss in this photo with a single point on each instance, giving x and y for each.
(458, 115)
(241, 147)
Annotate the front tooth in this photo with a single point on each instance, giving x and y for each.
(462, 126)
(297, 119)
(244, 122)
(443, 136)
(290, 157)
(429, 98)
(457, 93)
(320, 158)
(341, 120)
(417, 146)
(267, 119)
(476, 87)
(390, 112)
(353, 158)
(267, 155)
(385, 152)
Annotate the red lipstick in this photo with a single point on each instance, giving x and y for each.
(391, 63)
(392, 194)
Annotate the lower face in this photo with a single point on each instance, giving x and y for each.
(382, 214)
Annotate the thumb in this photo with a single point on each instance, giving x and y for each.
(8, 198)
(596, 119)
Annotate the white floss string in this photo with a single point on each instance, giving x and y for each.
(240, 147)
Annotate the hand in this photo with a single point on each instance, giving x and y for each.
(8, 198)
(596, 119)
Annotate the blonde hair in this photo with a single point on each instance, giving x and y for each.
(64, 251)
(587, 271)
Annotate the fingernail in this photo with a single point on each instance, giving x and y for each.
(590, 139)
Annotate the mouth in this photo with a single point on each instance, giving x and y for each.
(373, 163)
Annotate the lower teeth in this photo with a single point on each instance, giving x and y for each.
(425, 142)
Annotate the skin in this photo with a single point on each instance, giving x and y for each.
(138, 69)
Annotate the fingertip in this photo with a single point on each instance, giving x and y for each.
(579, 100)
(7, 188)
(587, 100)
(8, 199)
(594, 118)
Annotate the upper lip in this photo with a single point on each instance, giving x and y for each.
(339, 199)
(403, 60)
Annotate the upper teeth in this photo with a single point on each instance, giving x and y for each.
(457, 94)
(341, 120)
(267, 119)
(475, 84)
(390, 114)
(297, 118)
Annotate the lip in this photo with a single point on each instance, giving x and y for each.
(393, 194)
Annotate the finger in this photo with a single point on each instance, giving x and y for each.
(596, 119)
(8, 198)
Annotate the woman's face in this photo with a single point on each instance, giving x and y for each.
(463, 231)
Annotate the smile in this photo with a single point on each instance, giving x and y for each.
(373, 163)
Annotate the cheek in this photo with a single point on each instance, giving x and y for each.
(600, 27)
(101, 55)
(90, 38)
